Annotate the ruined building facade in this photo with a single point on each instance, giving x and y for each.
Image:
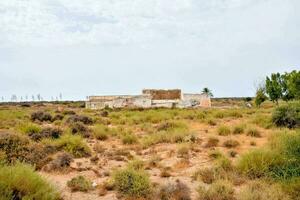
(150, 98)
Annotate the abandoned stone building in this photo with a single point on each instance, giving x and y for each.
(150, 98)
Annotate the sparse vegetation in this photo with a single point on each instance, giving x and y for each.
(22, 182)
(132, 183)
(224, 130)
(79, 183)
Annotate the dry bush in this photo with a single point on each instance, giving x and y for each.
(231, 143)
(99, 148)
(60, 162)
(212, 142)
(174, 191)
(253, 132)
(79, 183)
(19, 148)
(259, 190)
(79, 128)
(183, 150)
(58, 117)
(211, 122)
(48, 132)
(41, 116)
(129, 138)
(220, 190)
(238, 129)
(165, 172)
(80, 118)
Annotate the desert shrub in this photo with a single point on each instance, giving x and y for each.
(101, 132)
(211, 122)
(41, 116)
(165, 137)
(212, 142)
(259, 190)
(78, 128)
(223, 130)
(174, 191)
(171, 126)
(219, 190)
(60, 162)
(259, 163)
(253, 132)
(132, 183)
(80, 118)
(22, 182)
(69, 112)
(79, 183)
(207, 175)
(129, 138)
(231, 143)
(287, 115)
(30, 128)
(238, 129)
(46, 133)
(219, 114)
(165, 172)
(58, 117)
(20, 148)
(183, 150)
(136, 164)
(215, 154)
(234, 114)
(73, 144)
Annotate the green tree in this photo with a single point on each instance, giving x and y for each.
(260, 96)
(207, 91)
(274, 87)
(291, 85)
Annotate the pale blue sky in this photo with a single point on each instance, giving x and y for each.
(90, 47)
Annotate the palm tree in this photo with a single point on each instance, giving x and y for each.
(207, 92)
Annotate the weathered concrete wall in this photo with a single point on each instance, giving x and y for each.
(163, 94)
(150, 98)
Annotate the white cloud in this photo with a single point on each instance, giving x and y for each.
(69, 22)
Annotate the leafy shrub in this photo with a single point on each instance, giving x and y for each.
(78, 128)
(62, 161)
(259, 163)
(223, 130)
(239, 129)
(20, 148)
(253, 132)
(80, 118)
(129, 138)
(220, 190)
(132, 183)
(212, 142)
(46, 133)
(259, 190)
(177, 191)
(231, 143)
(41, 116)
(287, 115)
(79, 183)
(21, 182)
(73, 144)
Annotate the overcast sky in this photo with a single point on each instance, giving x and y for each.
(89, 47)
